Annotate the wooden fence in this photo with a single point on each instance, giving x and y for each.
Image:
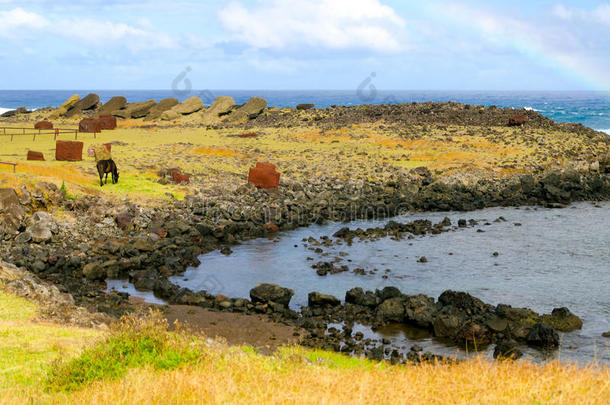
(12, 132)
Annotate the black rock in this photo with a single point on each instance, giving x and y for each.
(542, 336)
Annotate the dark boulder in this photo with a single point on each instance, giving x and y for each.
(267, 293)
(542, 336)
(305, 106)
(355, 296)
(463, 302)
(316, 299)
(507, 349)
(391, 310)
(517, 120)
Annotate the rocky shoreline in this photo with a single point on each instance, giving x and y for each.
(78, 243)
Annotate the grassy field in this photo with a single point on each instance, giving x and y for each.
(139, 361)
(220, 158)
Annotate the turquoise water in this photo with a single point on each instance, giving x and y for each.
(588, 108)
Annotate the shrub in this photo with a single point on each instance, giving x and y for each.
(140, 340)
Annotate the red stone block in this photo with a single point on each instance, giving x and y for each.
(108, 146)
(517, 120)
(89, 125)
(248, 135)
(43, 125)
(180, 178)
(264, 176)
(107, 121)
(35, 155)
(71, 151)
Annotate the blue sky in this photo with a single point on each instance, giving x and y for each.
(315, 44)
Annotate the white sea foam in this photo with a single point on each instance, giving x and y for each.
(605, 130)
(531, 109)
(3, 110)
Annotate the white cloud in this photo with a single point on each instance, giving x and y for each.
(18, 23)
(334, 24)
(600, 14)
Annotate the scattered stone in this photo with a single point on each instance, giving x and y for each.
(71, 151)
(606, 334)
(264, 176)
(89, 125)
(180, 178)
(43, 125)
(305, 106)
(423, 259)
(32, 155)
(107, 122)
(94, 271)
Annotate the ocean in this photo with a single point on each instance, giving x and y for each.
(588, 108)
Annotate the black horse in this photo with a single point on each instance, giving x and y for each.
(105, 167)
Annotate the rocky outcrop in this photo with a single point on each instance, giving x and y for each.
(41, 227)
(135, 110)
(71, 151)
(11, 212)
(53, 305)
(159, 109)
(264, 176)
(12, 113)
(562, 319)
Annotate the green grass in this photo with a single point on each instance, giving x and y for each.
(136, 342)
(27, 348)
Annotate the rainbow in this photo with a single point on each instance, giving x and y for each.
(528, 41)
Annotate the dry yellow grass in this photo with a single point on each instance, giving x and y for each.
(225, 377)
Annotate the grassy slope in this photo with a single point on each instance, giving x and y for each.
(221, 158)
(151, 365)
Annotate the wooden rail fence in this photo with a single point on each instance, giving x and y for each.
(13, 131)
(10, 164)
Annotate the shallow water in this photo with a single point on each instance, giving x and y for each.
(555, 258)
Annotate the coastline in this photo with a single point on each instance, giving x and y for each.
(150, 239)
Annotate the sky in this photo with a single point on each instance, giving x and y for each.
(313, 44)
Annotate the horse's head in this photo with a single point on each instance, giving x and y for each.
(115, 176)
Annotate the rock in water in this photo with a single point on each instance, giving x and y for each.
(164, 105)
(267, 293)
(507, 349)
(542, 336)
(316, 299)
(114, 104)
(562, 319)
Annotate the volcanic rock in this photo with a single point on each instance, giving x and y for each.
(71, 151)
(266, 293)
